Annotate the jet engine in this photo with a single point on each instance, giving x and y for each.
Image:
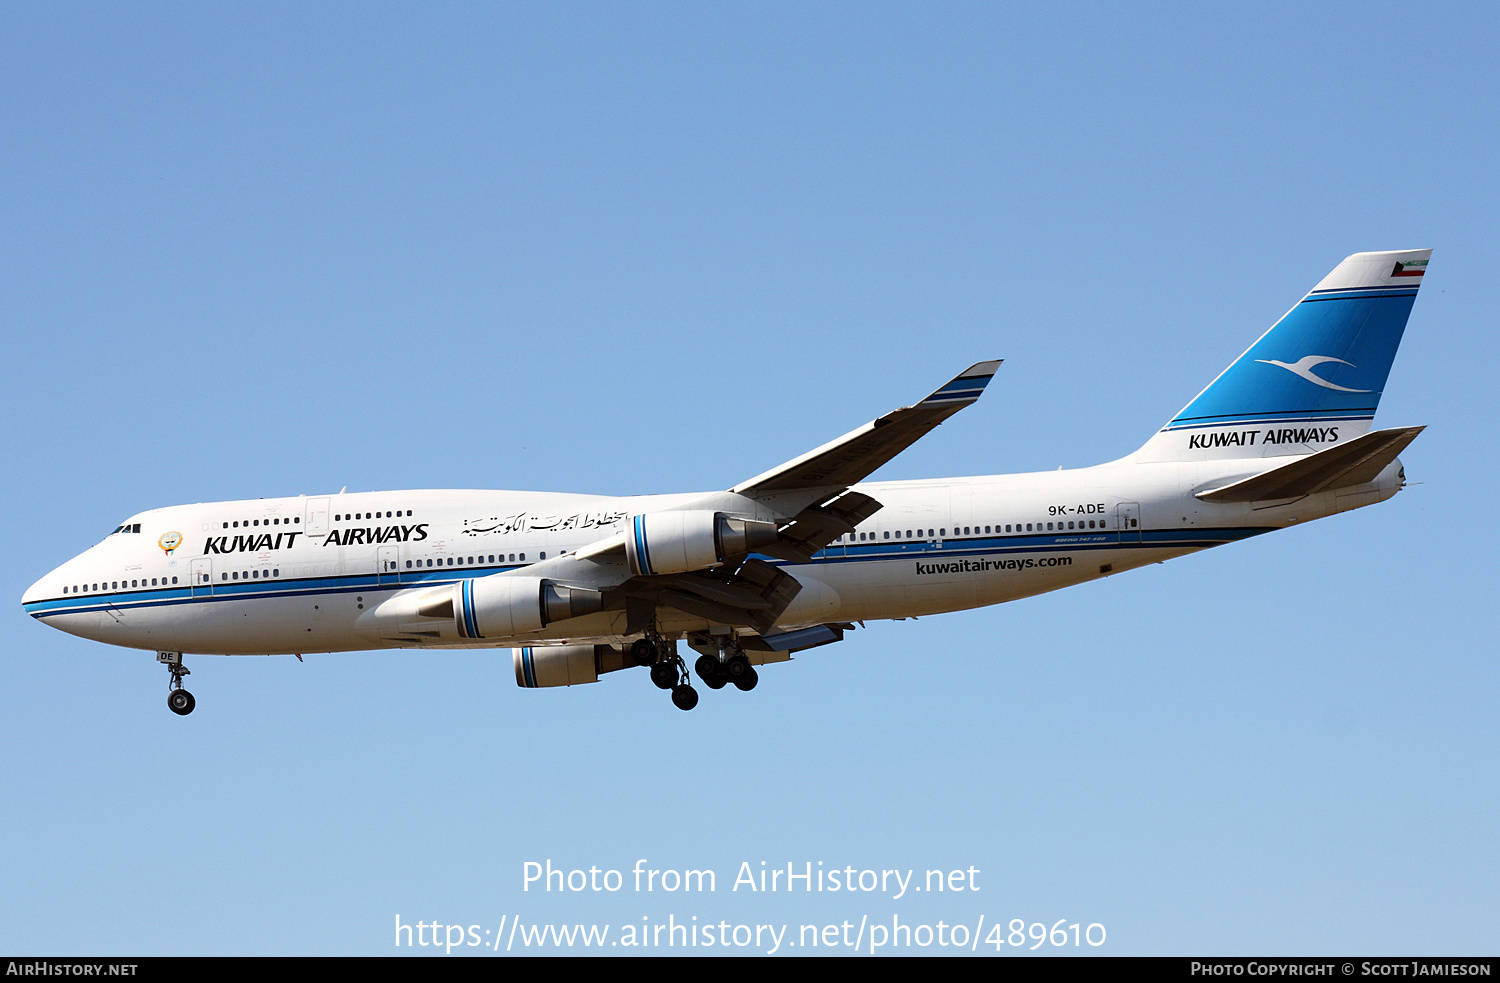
(676, 542)
(564, 665)
(505, 605)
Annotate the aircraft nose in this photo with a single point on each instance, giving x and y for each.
(49, 586)
(38, 590)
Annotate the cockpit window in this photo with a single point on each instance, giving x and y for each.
(127, 527)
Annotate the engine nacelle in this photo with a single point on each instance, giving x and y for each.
(676, 542)
(564, 665)
(504, 605)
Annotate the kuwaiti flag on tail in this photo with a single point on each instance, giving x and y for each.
(1415, 267)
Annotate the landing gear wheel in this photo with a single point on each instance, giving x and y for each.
(685, 697)
(179, 700)
(736, 667)
(747, 682)
(664, 675)
(708, 669)
(643, 652)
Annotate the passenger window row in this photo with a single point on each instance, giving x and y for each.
(1074, 525)
(468, 561)
(118, 585)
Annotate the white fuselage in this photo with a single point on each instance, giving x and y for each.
(340, 573)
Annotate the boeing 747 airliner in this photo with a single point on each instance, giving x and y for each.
(583, 585)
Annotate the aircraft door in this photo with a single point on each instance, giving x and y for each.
(1128, 521)
(388, 565)
(937, 510)
(317, 517)
(201, 576)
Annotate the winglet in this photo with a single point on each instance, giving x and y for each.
(966, 386)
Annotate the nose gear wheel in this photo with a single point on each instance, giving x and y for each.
(179, 700)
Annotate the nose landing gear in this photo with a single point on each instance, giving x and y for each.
(179, 700)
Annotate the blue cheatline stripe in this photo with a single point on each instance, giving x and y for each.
(1055, 542)
(241, 591)
(257, 588)
(528, 667)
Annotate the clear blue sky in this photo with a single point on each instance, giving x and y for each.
(272, 250)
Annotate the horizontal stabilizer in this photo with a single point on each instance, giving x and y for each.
(1354, 462)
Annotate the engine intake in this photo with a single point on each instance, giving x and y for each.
(676, 542)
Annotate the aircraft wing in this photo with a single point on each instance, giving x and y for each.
(814, 489)
(816, 486)
(855, 456)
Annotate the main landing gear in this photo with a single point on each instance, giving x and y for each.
(179, 700)
(668, 671)
(667, 668)
(730, 666)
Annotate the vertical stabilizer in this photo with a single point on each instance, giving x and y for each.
(1311, 381)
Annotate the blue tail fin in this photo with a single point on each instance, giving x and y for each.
(1315, 378)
